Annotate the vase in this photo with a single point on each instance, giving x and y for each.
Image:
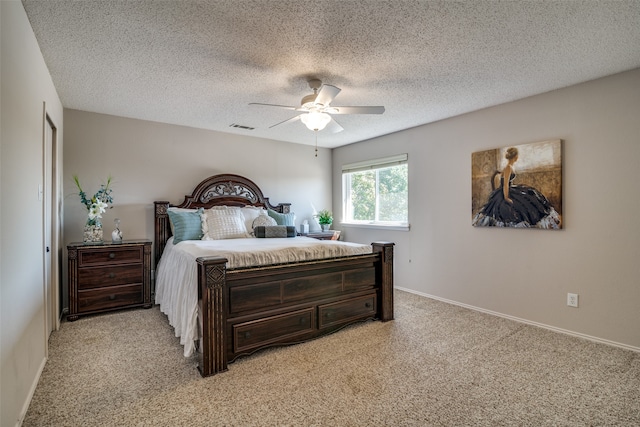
(92, 231)
(116, 236)
(325, 227)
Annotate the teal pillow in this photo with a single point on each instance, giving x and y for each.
(283, 219)
(186, 225)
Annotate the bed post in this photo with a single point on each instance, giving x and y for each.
(161, 228)
(211, 285)
(385, 306)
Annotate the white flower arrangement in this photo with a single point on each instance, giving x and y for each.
(98, 204)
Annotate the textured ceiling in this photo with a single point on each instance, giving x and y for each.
(201, 63)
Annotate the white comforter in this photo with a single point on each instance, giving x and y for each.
(177, 280)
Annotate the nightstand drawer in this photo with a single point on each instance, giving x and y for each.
(104, 298)
(96, 277)
(110, 256)
(356, 308)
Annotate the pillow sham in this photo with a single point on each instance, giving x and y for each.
(185, 224)
(262, 231)
(282, 219)
(173, 209)
(224, 208)
(250, 213)
(218, 224)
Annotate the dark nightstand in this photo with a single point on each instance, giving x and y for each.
(108, 276)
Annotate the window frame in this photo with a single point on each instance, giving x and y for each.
(372, 165)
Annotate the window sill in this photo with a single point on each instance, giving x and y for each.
(393, 227)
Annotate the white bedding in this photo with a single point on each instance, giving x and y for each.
(177, 280)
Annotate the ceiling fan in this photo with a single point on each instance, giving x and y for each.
(316, 110)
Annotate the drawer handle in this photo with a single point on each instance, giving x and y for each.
(303, 320)
(112, 255)
(367, 304)
(112, 297)
(329, 314)
(112, 275)
(247, 334)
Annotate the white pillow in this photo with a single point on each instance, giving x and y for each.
(250, 213)
(224, 207)
(220, 224)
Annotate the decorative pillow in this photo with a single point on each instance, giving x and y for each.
(250, 213)
(283, 219)
(185, 224)
(218, 224)
(224, 208)
(263, 221)
(172, 209)
(275, 231)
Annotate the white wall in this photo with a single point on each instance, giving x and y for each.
(26, 87)
(152, 161)
(526, 274)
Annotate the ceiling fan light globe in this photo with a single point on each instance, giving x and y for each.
(315, 120)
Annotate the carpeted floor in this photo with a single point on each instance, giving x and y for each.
(435, 365)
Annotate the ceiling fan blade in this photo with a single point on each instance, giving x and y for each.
(326, 94)
(291, 120)
(286, 107)
(334, 127)
(356, 110)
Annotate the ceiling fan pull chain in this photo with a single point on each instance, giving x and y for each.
(316, 132)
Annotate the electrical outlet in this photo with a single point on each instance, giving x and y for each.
(572, 300)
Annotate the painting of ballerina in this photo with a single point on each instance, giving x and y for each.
(518, 186)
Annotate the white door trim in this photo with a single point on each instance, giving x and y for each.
(51, 226)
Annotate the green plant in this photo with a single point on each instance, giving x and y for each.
(324, 216)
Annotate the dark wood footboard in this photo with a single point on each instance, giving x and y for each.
(245, 310)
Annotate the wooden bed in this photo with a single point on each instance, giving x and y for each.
(248, 309)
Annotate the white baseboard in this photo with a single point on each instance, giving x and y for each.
(32, 391)
(528, 322)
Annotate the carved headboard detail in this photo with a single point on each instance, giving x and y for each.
(217, 190)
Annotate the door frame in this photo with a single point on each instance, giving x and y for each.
(52, 201)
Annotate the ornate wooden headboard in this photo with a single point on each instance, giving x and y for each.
(217, 190)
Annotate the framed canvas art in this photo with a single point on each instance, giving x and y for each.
(518, 186)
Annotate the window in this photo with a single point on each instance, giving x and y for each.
(376, 192)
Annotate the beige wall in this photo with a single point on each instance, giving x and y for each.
(526, 274)
(153, 161)
(26, 88)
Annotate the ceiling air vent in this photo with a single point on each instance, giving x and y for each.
(235, 125)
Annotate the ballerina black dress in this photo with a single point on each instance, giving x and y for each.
(530, 209)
